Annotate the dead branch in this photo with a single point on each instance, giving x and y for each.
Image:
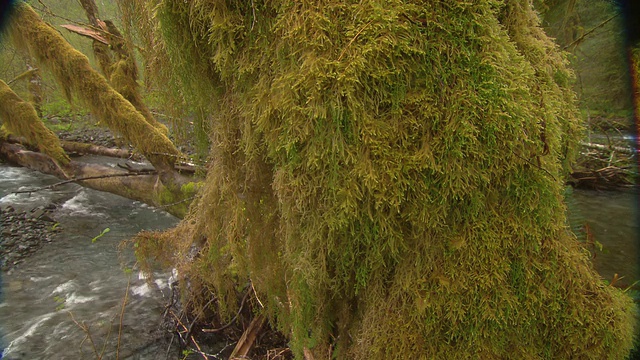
(124, 304)
(233, 320)
(195, 319)
(620, 149)
(248, 338)
(90, 33)
(23, 75)
(52, 186)
(578, 40)
(87, 333)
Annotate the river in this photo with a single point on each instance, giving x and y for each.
(87, 279)
(78, 276)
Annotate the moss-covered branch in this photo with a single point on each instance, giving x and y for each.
(124, 76)
(20, 118)
(74, 73)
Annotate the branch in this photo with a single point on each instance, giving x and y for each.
(138, 173)
(23, 75)
(124, 304)
(90, 33)
(589, 32)
(244, 299)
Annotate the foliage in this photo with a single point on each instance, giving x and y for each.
(389, 178)
(102, 233)
(139, 19)
(55, 13)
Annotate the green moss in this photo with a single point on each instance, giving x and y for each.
(191, 188)
(75, 75)
(389, 178)
(20, 118)
(178, 202)
(124, 76)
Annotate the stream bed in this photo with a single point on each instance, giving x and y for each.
(80, 281)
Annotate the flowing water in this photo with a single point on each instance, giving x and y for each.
(78, 278)
(87, 279)
(612, 218)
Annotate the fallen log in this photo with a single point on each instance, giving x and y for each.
(601, 147)
(145, 187)
(82, 148)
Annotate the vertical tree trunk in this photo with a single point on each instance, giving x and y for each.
(100, 50)
(35, 87)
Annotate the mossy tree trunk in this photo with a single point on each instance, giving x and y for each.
(388, 176)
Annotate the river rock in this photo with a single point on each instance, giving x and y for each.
(23, 233)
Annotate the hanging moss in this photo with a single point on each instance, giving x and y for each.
(389, 176)
(139, 18)
(20, 118)
(75, 75)
(124, 76)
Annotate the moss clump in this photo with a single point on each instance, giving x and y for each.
(124, 76)
(20, 118)
(75, 75)
(390, 178)
(178, 201)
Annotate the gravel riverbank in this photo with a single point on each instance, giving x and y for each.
(22, 233)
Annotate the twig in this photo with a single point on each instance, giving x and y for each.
(166, 355)
(589, 32)
(87, 333)
(195, 318)
(177, 202)
(124, 304)
(253, 10)
(232, 320)
(140, 173)
(198, 347)
(354, 39)
(256, 295)
(534, 165)
(23, 75)
(104, 344)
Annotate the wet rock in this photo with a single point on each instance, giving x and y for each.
(23, 233)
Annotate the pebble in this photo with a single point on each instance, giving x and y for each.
(23, 233)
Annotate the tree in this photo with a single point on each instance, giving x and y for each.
(387, 177)
(166, 186)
